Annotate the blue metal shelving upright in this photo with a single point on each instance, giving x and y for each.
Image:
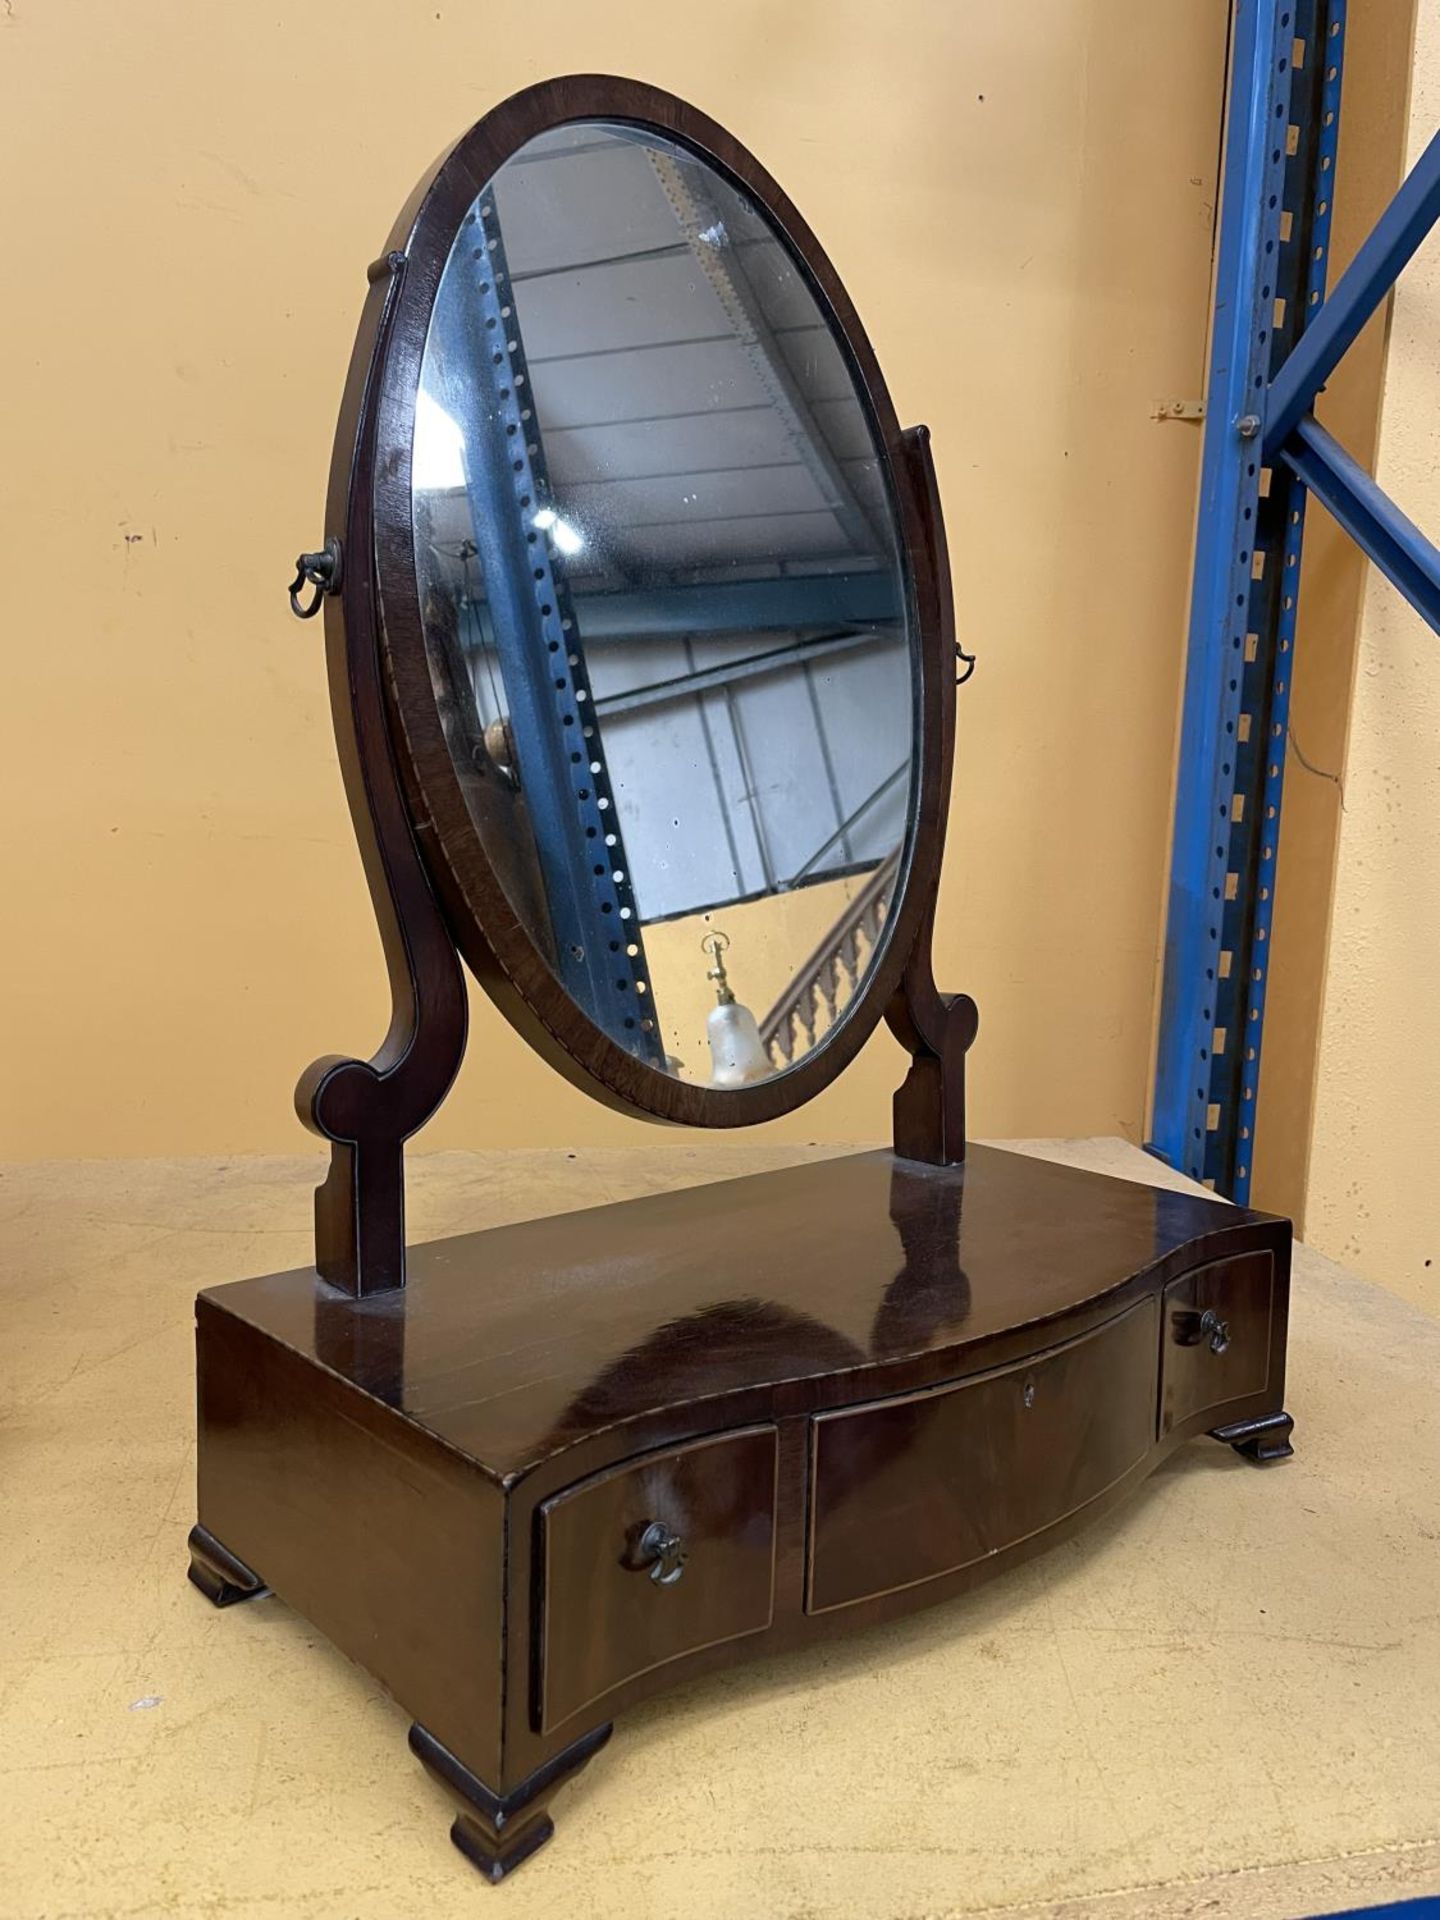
(1275, 340)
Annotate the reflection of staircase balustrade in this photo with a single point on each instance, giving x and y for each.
(823, 986)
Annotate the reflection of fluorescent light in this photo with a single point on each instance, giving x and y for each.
(567, 538)
(439, 444)
(438, 463)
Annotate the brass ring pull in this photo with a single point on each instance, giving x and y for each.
(663, 1551)
(1216, 1330)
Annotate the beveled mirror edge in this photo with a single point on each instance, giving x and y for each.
(497, 948)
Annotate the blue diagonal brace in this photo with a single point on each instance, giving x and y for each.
(1368, 515)
(1359, 291)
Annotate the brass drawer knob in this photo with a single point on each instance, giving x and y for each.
(663, 1551)
(1215, 1330)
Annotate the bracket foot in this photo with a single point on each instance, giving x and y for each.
(224, 1580)
(497, 1831)
(1261, 1440)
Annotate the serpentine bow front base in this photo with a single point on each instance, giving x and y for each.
(704, 1426)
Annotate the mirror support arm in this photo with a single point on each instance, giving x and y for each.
(936, 1028)
(367, 1109)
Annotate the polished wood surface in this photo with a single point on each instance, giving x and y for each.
(614, 1605)
(921, 1485)
(936, 1029)
(835, 1393)
(498, 1831)
(383, 1539)
(367, 1109)
(1221, 1342)
(1263, 1437)
(517, 1343)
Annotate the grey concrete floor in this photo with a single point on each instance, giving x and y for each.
(1223, 1699)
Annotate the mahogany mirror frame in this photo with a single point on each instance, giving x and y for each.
(433, 888)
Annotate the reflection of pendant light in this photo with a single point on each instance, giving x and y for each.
(736, 1050)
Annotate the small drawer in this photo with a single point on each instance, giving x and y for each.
(1216, 1336)
(653, 1560)
(909, 1489)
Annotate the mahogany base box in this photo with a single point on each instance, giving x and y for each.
(576, 1460)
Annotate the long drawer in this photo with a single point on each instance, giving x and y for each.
(909, 1489)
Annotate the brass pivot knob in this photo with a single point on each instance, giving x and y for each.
(1216, 1330)
(663, 1551)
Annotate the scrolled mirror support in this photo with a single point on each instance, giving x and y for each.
(367, 1109)
(937, 1029)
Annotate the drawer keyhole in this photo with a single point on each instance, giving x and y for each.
(1215, 1330)
(662, 1550)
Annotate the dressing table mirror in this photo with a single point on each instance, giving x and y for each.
(639, 634)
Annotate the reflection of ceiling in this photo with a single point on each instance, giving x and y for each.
(695, 410)
(704, 476)
(666, 608)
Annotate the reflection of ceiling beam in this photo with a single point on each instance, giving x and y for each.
(887, 785)
(672, 250)
(716, 256)
(728, 673)
(741, 606)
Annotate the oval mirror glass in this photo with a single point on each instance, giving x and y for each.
(663, 602)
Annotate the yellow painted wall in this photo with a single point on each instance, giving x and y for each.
(1021, 200)
(1374, 1199)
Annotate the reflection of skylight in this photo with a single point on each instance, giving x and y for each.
(567, 538)
(439, 444)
